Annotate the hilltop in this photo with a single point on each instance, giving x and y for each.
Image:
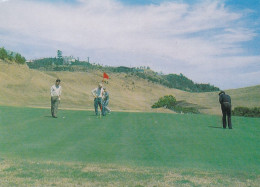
(21, 86)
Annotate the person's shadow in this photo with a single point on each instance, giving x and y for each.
(215, 127)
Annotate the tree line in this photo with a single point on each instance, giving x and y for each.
(11, 56)
(180, 82)
(171, 80)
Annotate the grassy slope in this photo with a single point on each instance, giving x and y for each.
(139, 147)
(21, 86)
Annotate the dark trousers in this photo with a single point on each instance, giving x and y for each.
(226, 112)
(104, 107)
(54, 105)
(97, 102)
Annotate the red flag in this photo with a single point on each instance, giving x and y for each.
(105, 76)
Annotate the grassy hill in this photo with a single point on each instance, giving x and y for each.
(21, 86)
(170, 80)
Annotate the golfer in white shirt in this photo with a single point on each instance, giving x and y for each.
(98, 94)
(55, 98)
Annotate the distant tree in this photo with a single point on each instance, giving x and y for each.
(59, 54)
(3, 53)
(19, 59)
(11, 56)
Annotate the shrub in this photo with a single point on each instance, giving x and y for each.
(246, 112)
(167, 101)
(170, 102)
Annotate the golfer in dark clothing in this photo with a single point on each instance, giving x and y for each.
(225, 102)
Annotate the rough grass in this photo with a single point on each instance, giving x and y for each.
(29, 173)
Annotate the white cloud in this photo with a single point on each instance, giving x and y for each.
(173, 37)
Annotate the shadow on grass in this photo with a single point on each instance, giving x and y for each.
(215, 127)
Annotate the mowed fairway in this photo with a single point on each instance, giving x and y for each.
(126, 149)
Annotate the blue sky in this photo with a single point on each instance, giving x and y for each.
(209, 41)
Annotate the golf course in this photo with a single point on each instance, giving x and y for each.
(133, 146)
(126, 149)
(129, 93)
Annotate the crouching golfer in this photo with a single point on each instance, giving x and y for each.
(225, 102)
(105, 102)
(55, 98)
(98, 94)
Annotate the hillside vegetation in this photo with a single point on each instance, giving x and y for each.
(171, 80)
(21, 86)
(11, 57)
(247, 112)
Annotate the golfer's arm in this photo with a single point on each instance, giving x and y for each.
(220, 100)
(60, 93)
(93, 93)
(51, 91)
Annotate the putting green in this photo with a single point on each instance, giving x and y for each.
(147, 139)
(157, 140)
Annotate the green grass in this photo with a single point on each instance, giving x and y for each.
(126, 149)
